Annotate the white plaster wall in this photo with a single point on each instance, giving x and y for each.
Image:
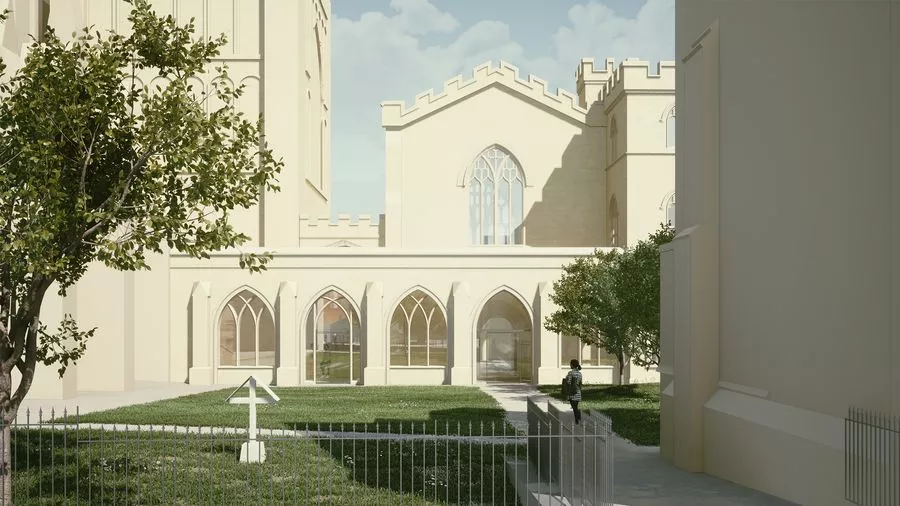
(314, 271)
(315, 91)
(345, 231)
(16, 32)
(617, 186)
(560, 158)
(650, 178)
(106, 301)
(646, 125)
(807, 325)
(151, 320)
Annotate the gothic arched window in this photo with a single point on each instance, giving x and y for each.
(418, 332)
(246, 332)
(496, 193)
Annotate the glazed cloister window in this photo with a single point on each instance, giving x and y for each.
(418, 332)
(246, 332)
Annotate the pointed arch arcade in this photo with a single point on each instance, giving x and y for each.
(505, 338)
(333, 339)
(246, 326)
(418, 331)
(496, 198)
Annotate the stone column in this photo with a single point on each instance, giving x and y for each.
(462, 340)
(201, 338)
(288, 372)
(546, 342)
(282, 64)
(373, 346)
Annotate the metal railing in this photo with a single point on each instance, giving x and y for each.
(573, 462)
(61, 460)
(871, 458)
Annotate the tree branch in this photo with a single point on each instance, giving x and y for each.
(87, 159)
(121, 200)
(30, 311)
(27, 368)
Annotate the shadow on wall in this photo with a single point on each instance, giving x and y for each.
(17, 29)
(190, 340)
(571, 211)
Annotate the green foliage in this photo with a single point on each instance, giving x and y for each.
(611, 299)
(588, 304)
(97, 166)
(637, 289)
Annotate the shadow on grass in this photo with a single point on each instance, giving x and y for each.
(469, 469)
(451, 471)
(640, 426)
(117, 467)
(456, 421)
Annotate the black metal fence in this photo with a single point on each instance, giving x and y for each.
(55, 459)
(871, 458)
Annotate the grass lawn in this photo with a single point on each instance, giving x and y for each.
(633, 409)
(385, 409)
(115, 468)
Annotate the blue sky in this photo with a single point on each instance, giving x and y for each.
(395, 49)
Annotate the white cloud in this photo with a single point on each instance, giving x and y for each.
(381, 57)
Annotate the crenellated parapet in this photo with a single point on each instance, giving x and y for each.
(588, 71)
(590, 79)
(397, 114)
(345, 231)
(635, 76)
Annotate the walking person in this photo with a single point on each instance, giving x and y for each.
(574, 381)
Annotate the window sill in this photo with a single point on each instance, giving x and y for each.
(418, 366)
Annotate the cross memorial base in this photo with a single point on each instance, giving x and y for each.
(253, 452)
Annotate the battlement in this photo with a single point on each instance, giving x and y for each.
(364, 231)
(397, 114)
(344, 221)
(589, 81)
(634, 74)
(587, 72)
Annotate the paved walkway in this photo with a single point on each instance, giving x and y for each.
(642, 477)
(34, 410)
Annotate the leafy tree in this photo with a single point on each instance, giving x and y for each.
(588, 305)
(637, 290)
(96, 167)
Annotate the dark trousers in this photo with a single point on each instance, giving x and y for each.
(576, 410)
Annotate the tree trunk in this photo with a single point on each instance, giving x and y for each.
(7, 416)
(6, 465)
(622, 379)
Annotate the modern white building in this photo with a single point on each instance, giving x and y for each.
(493, 183)
(781, 293)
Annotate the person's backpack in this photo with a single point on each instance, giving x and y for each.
(566, 390)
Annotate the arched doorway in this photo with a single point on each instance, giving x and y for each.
(332, 341)
(504, 340)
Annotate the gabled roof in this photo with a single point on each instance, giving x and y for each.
(395, 113)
